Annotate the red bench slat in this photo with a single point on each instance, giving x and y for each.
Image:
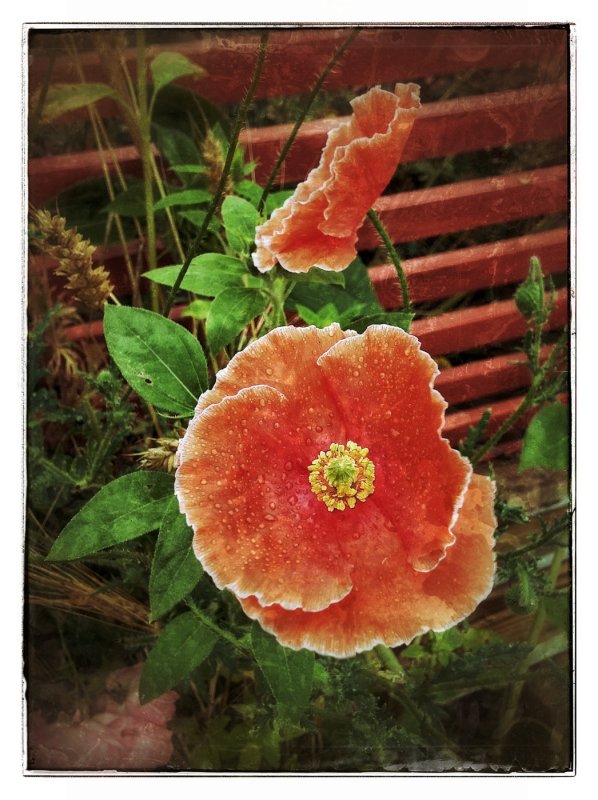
(469, 204)
(471, 268)
(458, 331)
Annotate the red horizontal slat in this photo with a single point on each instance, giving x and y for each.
(458, 331)
(455, 126)
(471, 268)
(484, 378)
(469, 204)
(459, 422)
(296, 56)
(535, 113)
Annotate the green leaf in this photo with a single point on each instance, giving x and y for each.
(239, 218)
(198, 309)
(197, 216)
(208, 275)
(288, 673)
(230, 312)
(64, 97)
(314, 276)
(398, 319)
(183, 645)
(546, 440)
(277, 199)
(130, 203)
(249, 190)
(187, 197)
(190, 169)
(159, 359)
(321, 318)
(176, 146)
(175, 568)
(357, 299)
(126, 508)
(558, 610)
(167, 67)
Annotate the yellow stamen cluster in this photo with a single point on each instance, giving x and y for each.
(342, 475)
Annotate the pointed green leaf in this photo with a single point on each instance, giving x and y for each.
(183, 645)
(288, 673)
(546, 440)
(398, 319)
(229, 313)
(240, 219)
(314, 276)
(167, 67)
(64, 97)
(123, 510)
(130, 203)
(159, 359)
(187, 197)
(208, 275)
(198, 309)
(175, 568)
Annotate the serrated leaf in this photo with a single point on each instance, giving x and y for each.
(546, 440)
(64, 97)
(208, 275)
(158, 358)
(230, 312)
(277, 200)
(288, 673)
(249, 190)
(397, 319)
(187, 197)
(197, 218)
(183, 645)
(176, 146)
(239, 218)
(321, 318)
(167, 67)
(356, 299)
(314, 276)
(175, 569)
(126, 508)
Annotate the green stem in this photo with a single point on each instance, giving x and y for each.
(301, 118)
(216, 200)
(209, 623)
(393, 255)
(390, 661)
(513, 696)
(146, 162)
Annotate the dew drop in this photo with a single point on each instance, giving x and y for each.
(260, 478)
(388, 414)
(272, 505)
(277, 425)
(319, 428)
(214, 451)
(269, 517)
(356, 373)
(288, 466)
(394, 432)
(203, 481)
(268, 370)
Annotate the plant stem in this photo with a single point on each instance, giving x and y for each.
(209, 623)
(390, 661)
(216, 200)
(301, 118)
(146, 162)
(393, 255)
(513, 696)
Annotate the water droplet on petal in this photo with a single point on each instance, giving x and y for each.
(288, 466)
(268, 370)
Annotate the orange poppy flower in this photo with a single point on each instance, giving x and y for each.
(322, 494)
(317, 226)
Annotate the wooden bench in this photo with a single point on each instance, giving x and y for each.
(536, 110)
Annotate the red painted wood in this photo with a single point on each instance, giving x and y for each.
(458, 331)
(535, 113)
(484, 378)
(462, 125)
(469, 204)
(470, 268)
(297, 56)
(459, 422)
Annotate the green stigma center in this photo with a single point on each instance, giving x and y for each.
(340, 471)
(342, 475)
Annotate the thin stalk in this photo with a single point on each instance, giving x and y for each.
(302, 114)
(146, 161)
(209, 623)
(390, 661)
(216, 200)
(393, 255)
(513, 696)
(169, 214)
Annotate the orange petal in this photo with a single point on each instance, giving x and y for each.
(382, 385)
(243, 484)
(390, 602)
(317, 226)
